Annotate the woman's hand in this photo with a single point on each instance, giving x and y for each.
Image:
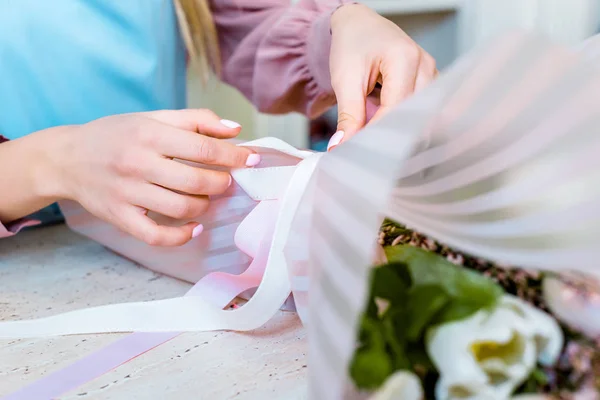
(367, 49)
(121, 167)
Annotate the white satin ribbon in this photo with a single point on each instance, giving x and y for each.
(258, 236)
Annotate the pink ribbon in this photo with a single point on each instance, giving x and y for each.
(218, 287)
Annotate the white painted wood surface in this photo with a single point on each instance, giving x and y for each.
(53, 270)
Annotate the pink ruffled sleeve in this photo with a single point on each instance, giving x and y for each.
(16, 226)
(277, 54)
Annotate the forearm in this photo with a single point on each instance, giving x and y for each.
(26, 179)
(277, 54)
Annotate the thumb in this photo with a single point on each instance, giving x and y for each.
(351, 112)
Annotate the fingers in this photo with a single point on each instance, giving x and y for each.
(201, 121)
(134, 221)
(168, 203)
(205, 148)
(351, 92)
(399, 74)
(427, 72)
(188, 179)
(190, 146)
(393, 93)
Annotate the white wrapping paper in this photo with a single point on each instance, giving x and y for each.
(499, 158)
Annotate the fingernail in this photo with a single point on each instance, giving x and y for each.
(230, 180)
(252, 160)
(230, 124)
(335, 140)
(197, 230)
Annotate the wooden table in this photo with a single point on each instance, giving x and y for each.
(52, 270)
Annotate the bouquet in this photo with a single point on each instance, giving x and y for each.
(442, 325)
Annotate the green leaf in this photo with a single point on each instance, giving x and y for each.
(370, 367)
(423, 290)
(371, 363)
(534, 382)
(455, 311)
(540, 376)
(371, 333)
(371, 311)
(394, 336)
(417, 356)
(390, 283)
(427, 268)
(423, 304)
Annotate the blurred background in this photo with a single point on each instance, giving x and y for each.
(444, 28)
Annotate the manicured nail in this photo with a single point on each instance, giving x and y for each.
(252, 160)
(335, 140)
(197, 230)
(230, 124)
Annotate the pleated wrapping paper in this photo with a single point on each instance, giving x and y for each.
(500, 158)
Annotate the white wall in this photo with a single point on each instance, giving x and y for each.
(568, 21)
(435, 32)
(226, 101)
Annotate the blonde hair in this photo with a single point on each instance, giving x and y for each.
(199, 35)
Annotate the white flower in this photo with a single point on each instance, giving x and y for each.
(488, 355)
(401, 385)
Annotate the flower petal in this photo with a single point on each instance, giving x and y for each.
(491, 353)
(548, 335)
(465, 391)
(449, 347)
(401, 385)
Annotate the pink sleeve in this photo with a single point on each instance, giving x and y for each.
(277, 54)
(16, 226)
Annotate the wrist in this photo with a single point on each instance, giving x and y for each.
(345, 11)
(50, 149)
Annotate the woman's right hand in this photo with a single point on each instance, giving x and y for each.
(121, 167)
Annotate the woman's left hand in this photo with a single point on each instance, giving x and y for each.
(367, 49)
